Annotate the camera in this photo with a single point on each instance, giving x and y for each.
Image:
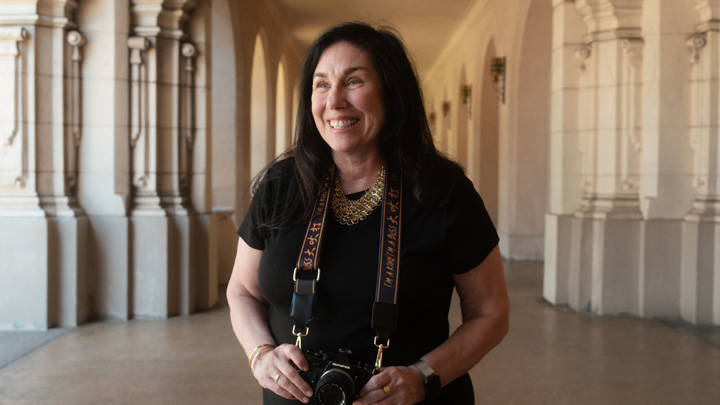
(335, 378)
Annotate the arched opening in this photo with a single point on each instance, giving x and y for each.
(294, 109)
(261, 148)
(486, 152)
(282, 135)
(525, 169)
(224, 95)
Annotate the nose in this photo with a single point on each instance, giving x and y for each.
(336, 98)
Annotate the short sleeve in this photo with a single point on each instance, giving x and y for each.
(249, 230)
(470, 235)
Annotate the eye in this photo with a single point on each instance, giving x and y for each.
(322, 85)
(354, 82)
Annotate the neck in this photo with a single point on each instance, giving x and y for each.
(357, 174)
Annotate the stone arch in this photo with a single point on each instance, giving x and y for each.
(484, 151)
(526, 149)
(262, 146)
(282, 129)
(224, 102)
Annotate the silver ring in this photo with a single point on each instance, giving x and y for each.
(277, 377)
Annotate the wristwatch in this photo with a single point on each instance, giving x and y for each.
(432, 385)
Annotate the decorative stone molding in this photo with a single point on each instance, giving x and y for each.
(76, 41)
(709, 9)
(696, 42)
(633, 49)
(582, 54)
(611, 19)
(46, 13)
(166, 18)
(14, 162)
(144, 161)
(187, 116)
(10, 48)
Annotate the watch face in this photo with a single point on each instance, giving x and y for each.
(433, 388)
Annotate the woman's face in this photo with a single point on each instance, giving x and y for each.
(346, 100)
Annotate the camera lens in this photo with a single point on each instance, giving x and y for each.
(331, 394)
(335, 387)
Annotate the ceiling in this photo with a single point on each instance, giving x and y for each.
(426, 26)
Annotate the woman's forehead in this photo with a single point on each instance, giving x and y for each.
(344, 56)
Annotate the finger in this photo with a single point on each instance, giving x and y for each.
(283, 393)
(284, 383)
(374, 396)
(294, 354)
(295, 379)
(376, 382)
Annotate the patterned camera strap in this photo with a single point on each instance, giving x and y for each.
(307, 272)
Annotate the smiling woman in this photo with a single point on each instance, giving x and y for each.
(364, 150)
(348, 110)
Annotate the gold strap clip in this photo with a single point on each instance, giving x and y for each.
(381, 347)
(299, 335)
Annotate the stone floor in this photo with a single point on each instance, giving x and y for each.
(550, 356)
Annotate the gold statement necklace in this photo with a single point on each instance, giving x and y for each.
(350, 212)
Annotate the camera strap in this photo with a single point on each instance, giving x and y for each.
(303, 300)
(385, 308)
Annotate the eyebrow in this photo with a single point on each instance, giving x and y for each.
(346, 72)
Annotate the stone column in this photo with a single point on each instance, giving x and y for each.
(163, 222)
(43, 230)
(665, 192)
(700, 294)
(568, 61)
(606, 228)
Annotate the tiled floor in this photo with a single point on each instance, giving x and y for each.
(550, 356)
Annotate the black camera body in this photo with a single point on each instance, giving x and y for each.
(335, 378)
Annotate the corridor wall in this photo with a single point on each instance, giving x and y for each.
(106, 154)
(633, 220)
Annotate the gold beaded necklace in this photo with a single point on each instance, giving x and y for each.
(350, 212)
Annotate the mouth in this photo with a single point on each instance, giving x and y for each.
(342, 124)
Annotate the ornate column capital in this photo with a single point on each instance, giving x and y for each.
(611, 19)
(160, 17)
(49, 13)
(708, 9)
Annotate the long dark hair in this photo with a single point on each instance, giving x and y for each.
(405, 140)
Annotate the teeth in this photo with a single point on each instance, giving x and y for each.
(340, 124)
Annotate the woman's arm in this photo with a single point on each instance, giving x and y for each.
(485, 320)
(249, 318)
(485, 313)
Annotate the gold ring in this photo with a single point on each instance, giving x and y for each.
(386, 390)
(277, 377)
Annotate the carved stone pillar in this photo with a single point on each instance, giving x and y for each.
(609, 139)
(163, 223)
(18, 195)
(568, 63)
(700, 294)
(42, 225)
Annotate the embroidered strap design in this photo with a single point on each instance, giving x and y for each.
(307, 272)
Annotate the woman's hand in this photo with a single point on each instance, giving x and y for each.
(404, 386)
(276, 371)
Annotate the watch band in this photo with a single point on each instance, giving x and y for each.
(432, 384)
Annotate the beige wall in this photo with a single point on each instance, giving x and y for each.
(514, 182)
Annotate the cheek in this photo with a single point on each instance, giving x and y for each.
(317, 106)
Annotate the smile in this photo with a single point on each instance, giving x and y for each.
(340, 124)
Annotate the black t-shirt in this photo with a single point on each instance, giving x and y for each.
(450, 232)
